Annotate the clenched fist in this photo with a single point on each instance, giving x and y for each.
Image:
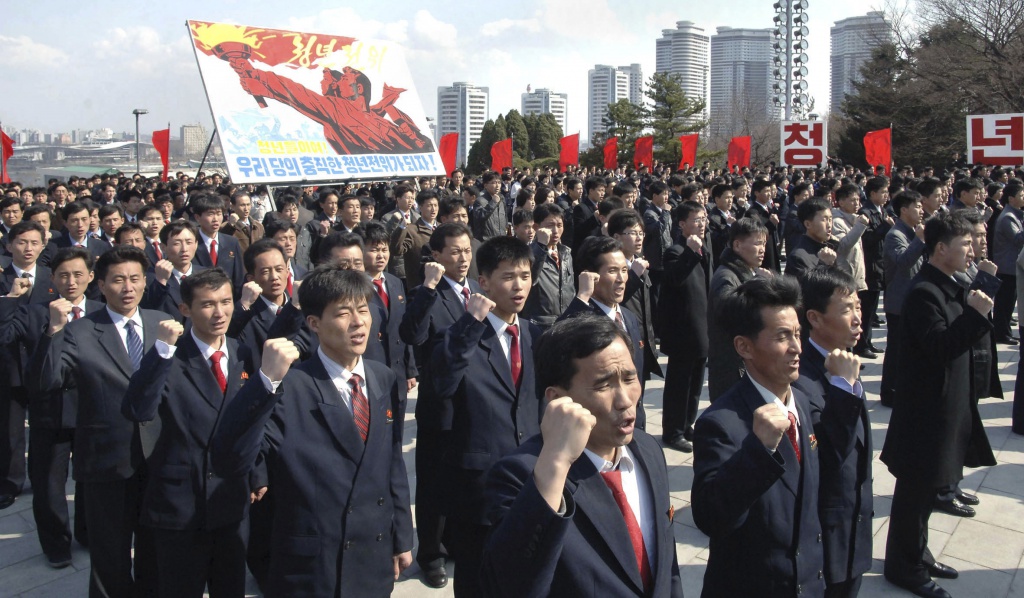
(988, 267)
(587, 282)
(295, 292)
(695, 243)
(979, 301)
(543, 236)
(19, 287)
(59, 310)
(432, 274)
(251, 291)
(566, 427)
(639, 266)
(163, 271)
(169, 330)
(844, 364)
(827, 256)
(480, 306)
(770, 423)
(862, 219)
(278, 356)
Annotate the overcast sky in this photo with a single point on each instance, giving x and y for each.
(69, 65)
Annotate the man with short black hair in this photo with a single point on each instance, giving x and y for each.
(812, 247)
(77, 217)
(490, 217)
(240, 224)
(1007, 243)
(215, 248)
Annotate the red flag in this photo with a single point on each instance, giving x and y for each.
(162, 143)
(6, 151)
(739, 152)
(643, 152)
(448, 148)
(501, 155)
(689, 148)
(570, 153)
(878, 149)
(611, 153)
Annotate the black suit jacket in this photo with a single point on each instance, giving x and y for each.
(532, 551)
(334, 495)
(13, 355)
(229, 259)
(845, 502)
(183, 490)
(166, 298)
(107, 446)
(584, 223)
(718, 227)
(95, 245)
(683, 304)
(252, 326)
(759, 508)
(397, 354)
(772, 251)
(873, 241)
(638, 300)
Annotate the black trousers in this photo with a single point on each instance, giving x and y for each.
(430, 492)
(257, 552)
(1005, 304)
(190, 560)
(891, 361)
(467, 546)
(1018, 392)
(869, 313)
(656, 276)
(12, 440)
(49, 454)
(684, 379)
(907, 557)
(112, 517)
(847, 589)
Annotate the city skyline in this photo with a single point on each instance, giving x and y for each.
(125, 55)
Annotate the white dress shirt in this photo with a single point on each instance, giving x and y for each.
(838, 381)
(167, 351)
(638, 493)
(18, 272)
(80, 305)
(505, 339)
(340, 377)
(120, 321)
(769, 397)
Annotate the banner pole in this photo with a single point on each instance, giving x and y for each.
(208, 146)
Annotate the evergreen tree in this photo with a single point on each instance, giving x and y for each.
(672, 114)
(516, 128)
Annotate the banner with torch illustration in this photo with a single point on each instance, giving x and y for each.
(295, 107)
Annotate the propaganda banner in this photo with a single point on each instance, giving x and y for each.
(295, 107)
(804, 144)
(995, 139)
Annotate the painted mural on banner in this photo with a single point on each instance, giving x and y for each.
(307, 107)
(995, 139)
(804, 144)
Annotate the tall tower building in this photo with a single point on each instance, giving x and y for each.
(683, 51)
(194, 140)
(463, 109)
(853, 40)
(741, 63)
(545, 101)
(607, 85)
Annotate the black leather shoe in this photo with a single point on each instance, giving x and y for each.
(867, 354)
(943, 571)
(1009, 340)
(954, 507)
(875, 349)
(59, 560)
(929, 590)
(6, 500)
(680, 444)
(436, 577)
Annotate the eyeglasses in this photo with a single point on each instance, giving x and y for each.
(636, 234)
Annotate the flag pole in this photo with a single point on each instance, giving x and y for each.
(3, 162)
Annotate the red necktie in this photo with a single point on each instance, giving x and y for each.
(554, 256)
(619, 321)
(514, 358)
(614, 481)
(360, 407)
(213, 252)
(76, 312)
(156, 248)
(465, 297)
(791, 432)
(379, 283)
(222, 382)
(288, 287)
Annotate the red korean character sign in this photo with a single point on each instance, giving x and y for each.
(995, 139)
(804, 144)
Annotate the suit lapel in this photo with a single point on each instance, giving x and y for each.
(200, 372)
(110, 340)
(791, 473)
(42, 286)
(496, 357)
(658, 486)
(336, 414)
(595, 501)
(452, 302)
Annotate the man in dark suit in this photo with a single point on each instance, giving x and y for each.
(839, 415)
(187, 379)
(583, 508)
(332, 441)
(584, 214)
(163, 291)
(76, 233)
(433, 308)
(720, 219)
(286, 234)
(873, 240)
(25, 282)
(657, 238)
(684, 324)
(485, 365)
(603, 274)
(214, 248)
(152, 221)
(934, 416)
(99, 352)
(762, 207)
(811, 248)
(755, 463)
(51, 415)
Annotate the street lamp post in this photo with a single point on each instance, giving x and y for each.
(137, 112)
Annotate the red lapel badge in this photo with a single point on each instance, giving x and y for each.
(641, 344)
(231, 254)
(401, 298)
(245, 375)
(671, 512)
(814, 442)
(388, 413)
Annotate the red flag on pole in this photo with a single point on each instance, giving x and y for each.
(6, 151)
(448, 148)
(570, 152)
(689, 148)
(643, 152)
(611, 153)
(739, 152)
(878, 149)
(501, 155)
(162, 143)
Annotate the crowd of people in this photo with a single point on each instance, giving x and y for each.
(228, 369)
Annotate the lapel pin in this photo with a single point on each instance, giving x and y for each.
(814, 442)
(671, 512)
(245, 375)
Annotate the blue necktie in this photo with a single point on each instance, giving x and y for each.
(134, 345)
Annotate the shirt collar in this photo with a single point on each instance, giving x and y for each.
(499, 325)
(609, 311)
(769, 397)
(336, 371)
(31, 271)
(273, 306)
(206, 239)
(120, 320)
(178, 273)
(207, 350)
(623, 460)
(818, 347)
(455, 285)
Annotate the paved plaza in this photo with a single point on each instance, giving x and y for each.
(987, 549)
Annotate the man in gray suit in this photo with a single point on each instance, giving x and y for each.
(903, 254)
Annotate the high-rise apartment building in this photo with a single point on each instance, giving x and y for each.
(194, 140)
(683, 51)
(853, 40)
(463, 109)
(741, 79)
(607, 85)
(545, 101)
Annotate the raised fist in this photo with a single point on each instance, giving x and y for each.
(251, 291)
(844, 364)
(169, 330)
(59, 310)
(543, 236)
(19, 287)
(566, 427)
(432, 274)
(988, 267)
(862, 219)
(325, 228)
(770, 423)
(919, 231)
(480, 306)
(295, 293)
(695, 243)
(639, 266)
(163, 271)
(587, 282)
(278, 356)
(827, 256)
(979, 301)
